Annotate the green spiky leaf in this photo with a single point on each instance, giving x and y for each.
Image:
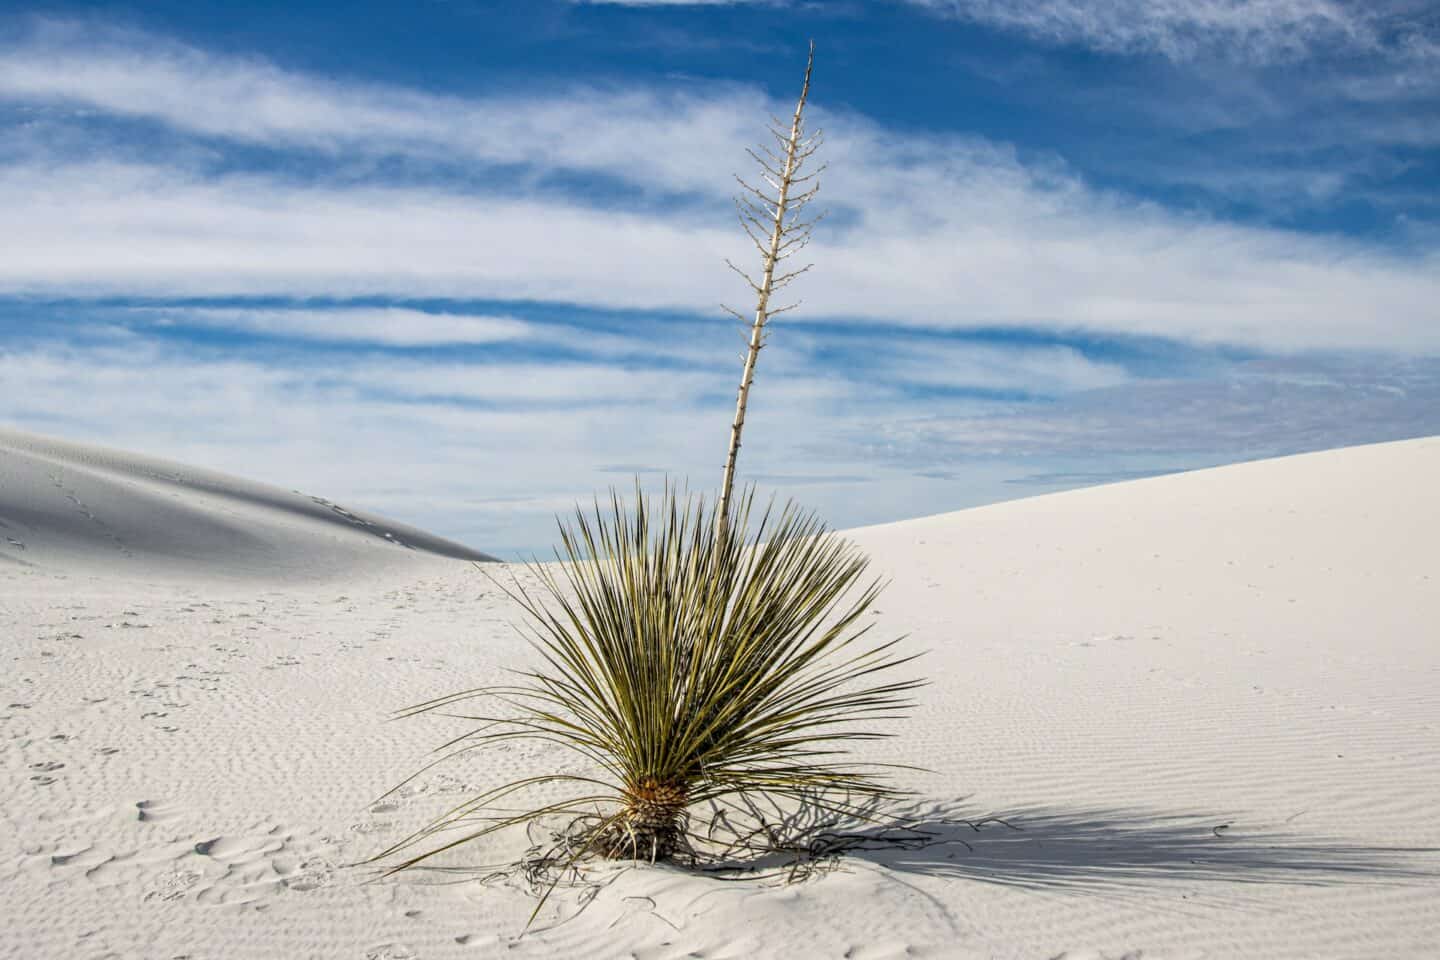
(690, 663)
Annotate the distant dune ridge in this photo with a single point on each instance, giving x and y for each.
(67, 505)
(1207, 703)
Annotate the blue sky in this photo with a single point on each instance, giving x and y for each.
(461, 262)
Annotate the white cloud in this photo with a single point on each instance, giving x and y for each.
(1179, 29)
(131, 228)
(1043, 370)
(577, 385)
(949, 242)
(410, 439)
(392, 326)
(1259, 409)
(676, 139)
(936, 231)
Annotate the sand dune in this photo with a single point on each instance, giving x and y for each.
(1205, 703)
(73, 507)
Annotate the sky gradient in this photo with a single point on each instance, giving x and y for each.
(461, 263)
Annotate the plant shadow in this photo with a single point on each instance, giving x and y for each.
(1100, 848)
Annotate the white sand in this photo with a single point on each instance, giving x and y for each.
(1211, 701)
(68, 508)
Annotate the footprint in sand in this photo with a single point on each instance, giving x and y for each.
(390, 951)
(258, 864)
(376, 825)
(229, 870)
(239, 870)
(174, 885)
(312, 874)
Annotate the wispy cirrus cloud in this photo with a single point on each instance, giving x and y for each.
(1182, 29)
(932, 230)
(261, 262)
(674, 139)
(964, 247)
(391, 326)
(488, 451)
(1261, 408)
(1229, 127)
(888, 357)
(481, 448)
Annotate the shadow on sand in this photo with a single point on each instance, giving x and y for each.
(1043, 848)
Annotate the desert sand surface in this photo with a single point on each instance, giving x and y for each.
(1208, 705)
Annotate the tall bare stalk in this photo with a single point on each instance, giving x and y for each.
(772, 216)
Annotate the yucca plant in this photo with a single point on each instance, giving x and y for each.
(691, 666)
(693, 659)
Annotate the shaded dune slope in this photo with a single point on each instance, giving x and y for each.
(67, 506)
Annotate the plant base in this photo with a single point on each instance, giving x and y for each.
(652, 825)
